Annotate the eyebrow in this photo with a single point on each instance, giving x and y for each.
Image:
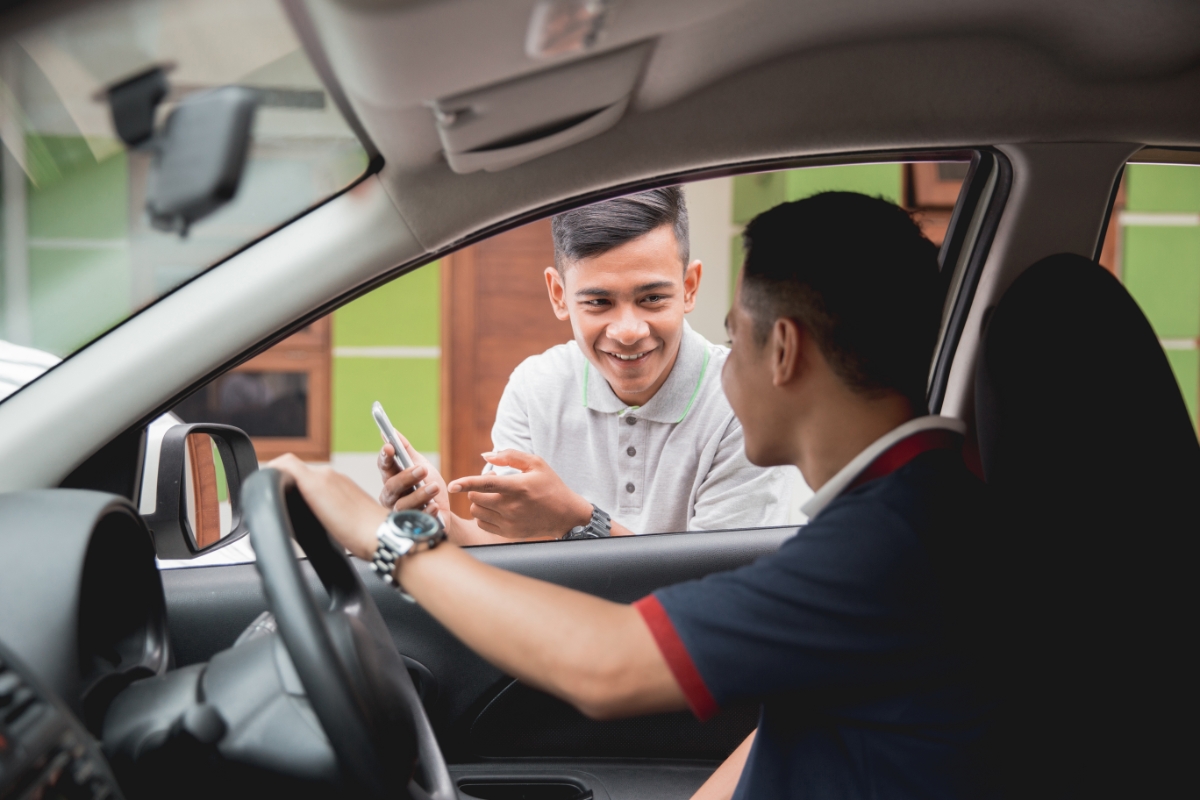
(645, 287)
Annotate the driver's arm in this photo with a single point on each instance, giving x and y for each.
(597, 655)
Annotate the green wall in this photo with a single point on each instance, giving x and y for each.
(79, 265)
(402, 314)
(1162, 272)
(1160, 264)
(1161, 187)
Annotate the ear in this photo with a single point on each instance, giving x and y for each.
(786, 349)
(691, 285)
(558, 293)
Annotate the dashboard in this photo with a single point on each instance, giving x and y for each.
(82, 616)
(45, 752)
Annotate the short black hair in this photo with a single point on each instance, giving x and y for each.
(594, 230)
(858, 273)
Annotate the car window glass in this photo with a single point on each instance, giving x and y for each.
(1153, 246)
(437, 346)
(79, 253)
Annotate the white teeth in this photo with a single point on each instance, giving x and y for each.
(627, 358)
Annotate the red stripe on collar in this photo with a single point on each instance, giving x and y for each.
(905, 451)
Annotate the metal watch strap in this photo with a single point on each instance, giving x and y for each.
(598, 527)
(395, 540)
(388, 551)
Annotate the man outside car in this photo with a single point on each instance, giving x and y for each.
(626, 421)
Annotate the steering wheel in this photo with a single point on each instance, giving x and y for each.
(355, 679)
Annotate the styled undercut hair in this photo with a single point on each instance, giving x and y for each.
(594, 230)
(857, 272)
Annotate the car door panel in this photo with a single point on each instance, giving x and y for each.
(477, 710)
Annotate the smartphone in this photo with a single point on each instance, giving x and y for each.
(389, 433)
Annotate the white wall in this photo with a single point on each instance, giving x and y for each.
(710, 215)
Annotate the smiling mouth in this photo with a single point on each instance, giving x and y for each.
(628, 358)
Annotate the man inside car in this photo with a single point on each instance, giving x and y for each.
(624, 429)
(857, 634)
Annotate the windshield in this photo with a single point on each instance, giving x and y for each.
(79, 254)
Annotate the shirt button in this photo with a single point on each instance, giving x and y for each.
(631, 420)
(629, 487)
(631, 450)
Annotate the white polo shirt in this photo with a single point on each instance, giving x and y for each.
(677, 463)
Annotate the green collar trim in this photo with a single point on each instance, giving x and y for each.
(696, 391)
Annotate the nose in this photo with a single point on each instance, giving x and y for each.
(628, 328)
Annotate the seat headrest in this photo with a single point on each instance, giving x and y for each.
(1074, 396)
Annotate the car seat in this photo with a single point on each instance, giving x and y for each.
(1088, 447)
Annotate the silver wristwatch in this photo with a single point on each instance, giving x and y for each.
(404, 533)
(598, 527)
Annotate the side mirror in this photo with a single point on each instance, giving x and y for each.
(201, 468)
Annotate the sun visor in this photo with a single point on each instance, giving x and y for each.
(511, 123)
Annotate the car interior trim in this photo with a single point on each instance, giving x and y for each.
(988, 196)
(1112, 202)
(302, 23)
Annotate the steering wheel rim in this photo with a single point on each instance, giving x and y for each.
(346, 698)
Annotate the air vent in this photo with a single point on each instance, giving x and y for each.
(17, 699)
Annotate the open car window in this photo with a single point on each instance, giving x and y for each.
(1152, 245)
(79, 252)
(438, 345)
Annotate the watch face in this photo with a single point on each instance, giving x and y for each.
(415, 524)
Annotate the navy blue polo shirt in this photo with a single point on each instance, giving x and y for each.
(855, 635)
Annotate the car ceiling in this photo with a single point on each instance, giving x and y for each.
(728, 81)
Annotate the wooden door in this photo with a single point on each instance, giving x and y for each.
(206, 512)
(495, 314)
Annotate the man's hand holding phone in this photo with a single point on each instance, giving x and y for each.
(414, 488)
(404, 471)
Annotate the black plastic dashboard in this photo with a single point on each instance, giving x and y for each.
(82, 615)
(81, 601)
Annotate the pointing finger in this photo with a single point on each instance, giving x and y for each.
(479, 483)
